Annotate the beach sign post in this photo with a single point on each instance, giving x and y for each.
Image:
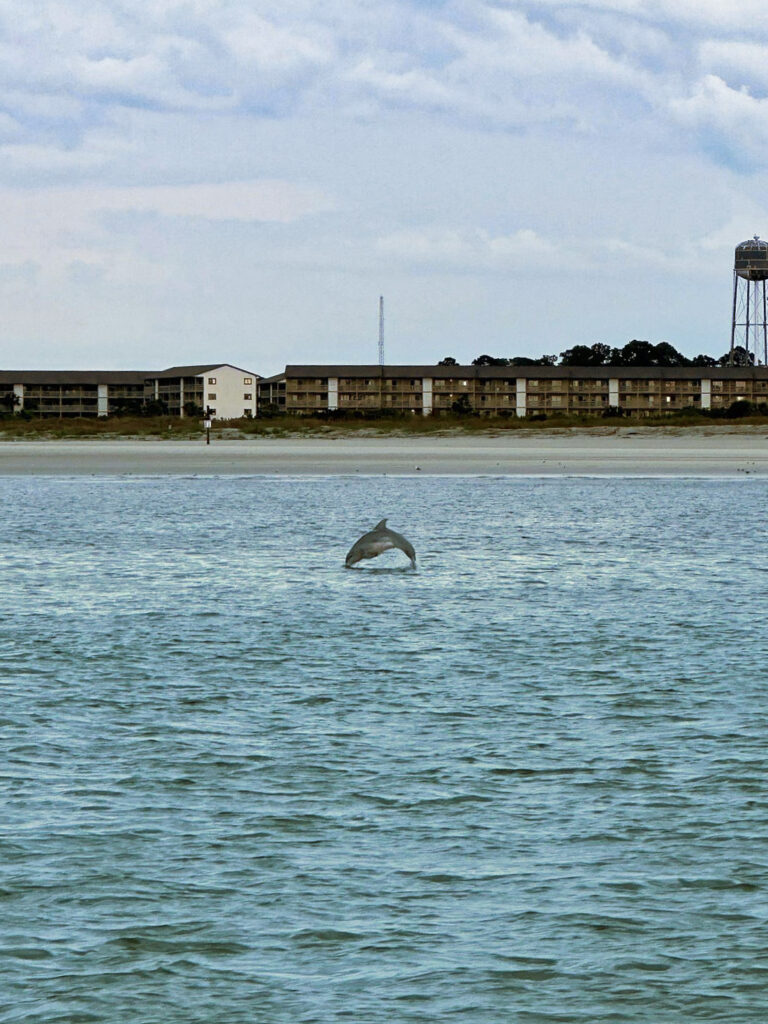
(207, 425)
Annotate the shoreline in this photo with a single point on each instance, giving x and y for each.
(627, 452)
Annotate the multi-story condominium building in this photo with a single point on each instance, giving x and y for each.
(520, 390)
(73, 392)
(229, 392)
(272, 394)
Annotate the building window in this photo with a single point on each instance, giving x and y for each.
(247, 380)
(248, 396)
(211, 380)
(211, 396)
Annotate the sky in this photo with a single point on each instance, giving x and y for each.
(221, 180)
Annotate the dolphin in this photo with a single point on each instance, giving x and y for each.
(379, 539)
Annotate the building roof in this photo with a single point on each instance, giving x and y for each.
(375, 370)
(196, 371)
(533, 372)
(73, 376)
(276, 378)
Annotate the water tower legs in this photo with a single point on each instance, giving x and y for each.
(749, 319)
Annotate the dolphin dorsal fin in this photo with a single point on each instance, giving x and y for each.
(381, 526)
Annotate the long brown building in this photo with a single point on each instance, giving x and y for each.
(65, 393)
(229, 391)
(518, 390)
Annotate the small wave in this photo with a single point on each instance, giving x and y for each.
(26, 953)
(152, 944)
(718, 883)
(325, 936)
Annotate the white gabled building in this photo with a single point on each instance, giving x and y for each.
(229, 392)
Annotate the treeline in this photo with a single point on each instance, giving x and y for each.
(634, 353)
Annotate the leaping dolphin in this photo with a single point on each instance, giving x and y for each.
(379, 540)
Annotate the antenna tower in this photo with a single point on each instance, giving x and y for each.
(381, 330)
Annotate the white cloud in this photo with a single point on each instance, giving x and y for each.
(741, 63)
(242, 201)
(56, 227)
(513, 44)
(413, 87)
(592, 64)
(705, 14)
(734, 114)
(469, 250)
(267, 46)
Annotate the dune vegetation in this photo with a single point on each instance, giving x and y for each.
(21, 427)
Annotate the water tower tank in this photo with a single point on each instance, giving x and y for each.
(751, 261)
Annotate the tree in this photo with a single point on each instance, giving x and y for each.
(644, 353)
(489, 361)
(741, 357)
(154, 407)
(448, 361)
(703, 360)
(634, 353)
(741, 407)
(586, 355)
(665, 354)
(10, 400)
(602, 352)
(126, 407)
(527, 361)
(462, 406)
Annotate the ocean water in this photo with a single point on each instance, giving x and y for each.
(525, 783)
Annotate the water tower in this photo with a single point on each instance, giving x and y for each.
(749, 326)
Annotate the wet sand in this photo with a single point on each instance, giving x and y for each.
(643, 453)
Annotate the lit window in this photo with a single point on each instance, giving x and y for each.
(211, 396)
(247, 380)
(211, 380)
(248, 396)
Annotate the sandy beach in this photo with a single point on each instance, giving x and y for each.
(633, 452)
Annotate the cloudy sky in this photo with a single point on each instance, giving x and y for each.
(241, 179)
